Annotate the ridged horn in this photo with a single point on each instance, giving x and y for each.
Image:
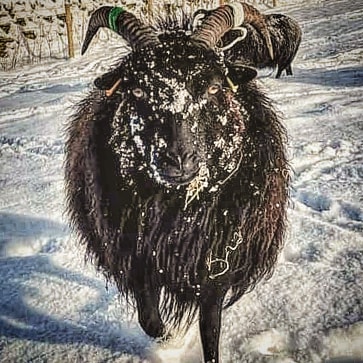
(214, 25)
(124, 23)
(222, 19)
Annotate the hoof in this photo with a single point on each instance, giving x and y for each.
(164, 339)
(154, 329)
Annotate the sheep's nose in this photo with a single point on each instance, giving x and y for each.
(183, 162)
(180, 167)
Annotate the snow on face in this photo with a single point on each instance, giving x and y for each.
(174, 96)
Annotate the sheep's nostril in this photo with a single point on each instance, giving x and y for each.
(174, 160)
(190, 161)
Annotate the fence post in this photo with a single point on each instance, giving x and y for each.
(274, 3)
(67, 7)
(150, 8)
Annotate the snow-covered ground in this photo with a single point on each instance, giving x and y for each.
(56, 308)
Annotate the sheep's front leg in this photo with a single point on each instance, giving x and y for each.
(210, 323)
(147, 302)
(289, 70)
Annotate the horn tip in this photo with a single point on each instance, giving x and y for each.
(271, 53)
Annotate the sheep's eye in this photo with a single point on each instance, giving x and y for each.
(214, 88)
(138, 92)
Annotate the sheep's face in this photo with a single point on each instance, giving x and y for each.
(178, 119)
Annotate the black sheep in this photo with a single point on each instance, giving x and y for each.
(285, 36)
(177, 181)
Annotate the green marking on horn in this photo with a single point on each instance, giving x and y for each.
(112, 17)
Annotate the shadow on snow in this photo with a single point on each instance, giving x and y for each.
(22, 279)
(342, 77)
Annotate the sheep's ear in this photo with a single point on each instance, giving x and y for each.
(240, 73)
(107, 80)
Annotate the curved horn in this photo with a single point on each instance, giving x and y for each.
(220, 20)
(198, 16)
(214, 25)
(136, 33)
